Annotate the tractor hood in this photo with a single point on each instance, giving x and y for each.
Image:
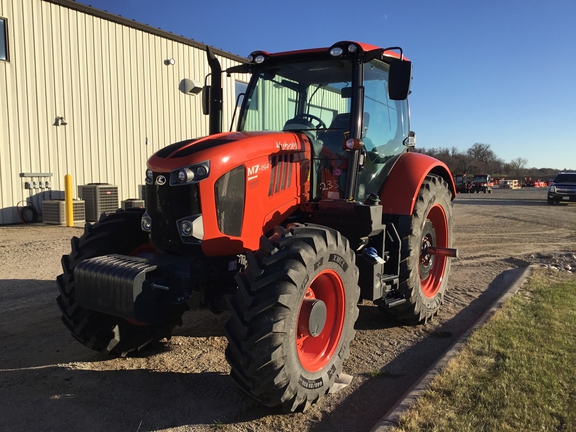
(226, 149)
(224, 191)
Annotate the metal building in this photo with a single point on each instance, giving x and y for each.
(91, 94)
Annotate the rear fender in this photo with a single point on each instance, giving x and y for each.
(400, 190)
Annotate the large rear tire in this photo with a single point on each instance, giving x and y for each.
(117, 233)
(423, 277)
(293, 317)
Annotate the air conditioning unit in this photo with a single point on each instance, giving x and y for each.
(100, 198)
(54, 212)
(132, 203)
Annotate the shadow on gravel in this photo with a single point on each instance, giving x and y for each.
(119, 400)
(58, 396)
(361, 410)
(371, 318)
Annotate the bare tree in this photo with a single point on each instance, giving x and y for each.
(482, 154)
(518, 165)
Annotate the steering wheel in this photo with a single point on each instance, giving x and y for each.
(311, 118)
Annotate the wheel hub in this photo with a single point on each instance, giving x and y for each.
(312, 317)
(426, 259)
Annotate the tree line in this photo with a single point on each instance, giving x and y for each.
(480, 158)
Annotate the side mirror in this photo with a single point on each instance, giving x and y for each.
(346, 92)
(399, 78)
(206, 100)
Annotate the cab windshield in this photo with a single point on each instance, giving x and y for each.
(314, 97)
(291, 90)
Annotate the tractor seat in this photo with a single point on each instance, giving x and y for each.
(332, 138)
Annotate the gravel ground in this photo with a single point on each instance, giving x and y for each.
(49, 382)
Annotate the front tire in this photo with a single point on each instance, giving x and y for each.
(293, 317)
(117, 233)
(423, 277)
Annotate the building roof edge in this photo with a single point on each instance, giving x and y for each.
(72, 4)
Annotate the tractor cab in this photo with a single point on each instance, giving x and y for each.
(350, 100)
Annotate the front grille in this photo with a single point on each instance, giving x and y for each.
(565, 190)
(167, 204)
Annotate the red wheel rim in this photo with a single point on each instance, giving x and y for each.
(432, 267)
(315, 352)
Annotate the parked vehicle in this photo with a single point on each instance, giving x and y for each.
(482, 183)
(563, 188)
(315, 203)
(463, 185)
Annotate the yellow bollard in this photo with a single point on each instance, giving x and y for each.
(68, 200)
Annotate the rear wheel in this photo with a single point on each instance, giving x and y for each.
(293, 317)
(423, 277)
(117, 233)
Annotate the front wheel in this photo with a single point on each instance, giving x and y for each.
(293, 317)
(117, 233)
(423, 277)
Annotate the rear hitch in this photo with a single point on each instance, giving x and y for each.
(442, 251)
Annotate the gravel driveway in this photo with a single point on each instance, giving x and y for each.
(50, 382)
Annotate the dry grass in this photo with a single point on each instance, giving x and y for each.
(517, 373)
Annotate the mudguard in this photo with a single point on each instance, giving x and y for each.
(400, 190)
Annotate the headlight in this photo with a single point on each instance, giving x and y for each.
(146, 222)
(336, 51)
(191, 228)
(190, 174)
(552, 189)
(186, 228)
(202, 170)
(185, 175)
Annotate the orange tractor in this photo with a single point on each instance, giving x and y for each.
(315, 203)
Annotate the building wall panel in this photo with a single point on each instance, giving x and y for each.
(107, 78)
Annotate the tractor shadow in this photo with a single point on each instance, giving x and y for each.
(48, 376)
(61, 397)
(49, 381)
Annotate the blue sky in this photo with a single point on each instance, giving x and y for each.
(498, 72)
